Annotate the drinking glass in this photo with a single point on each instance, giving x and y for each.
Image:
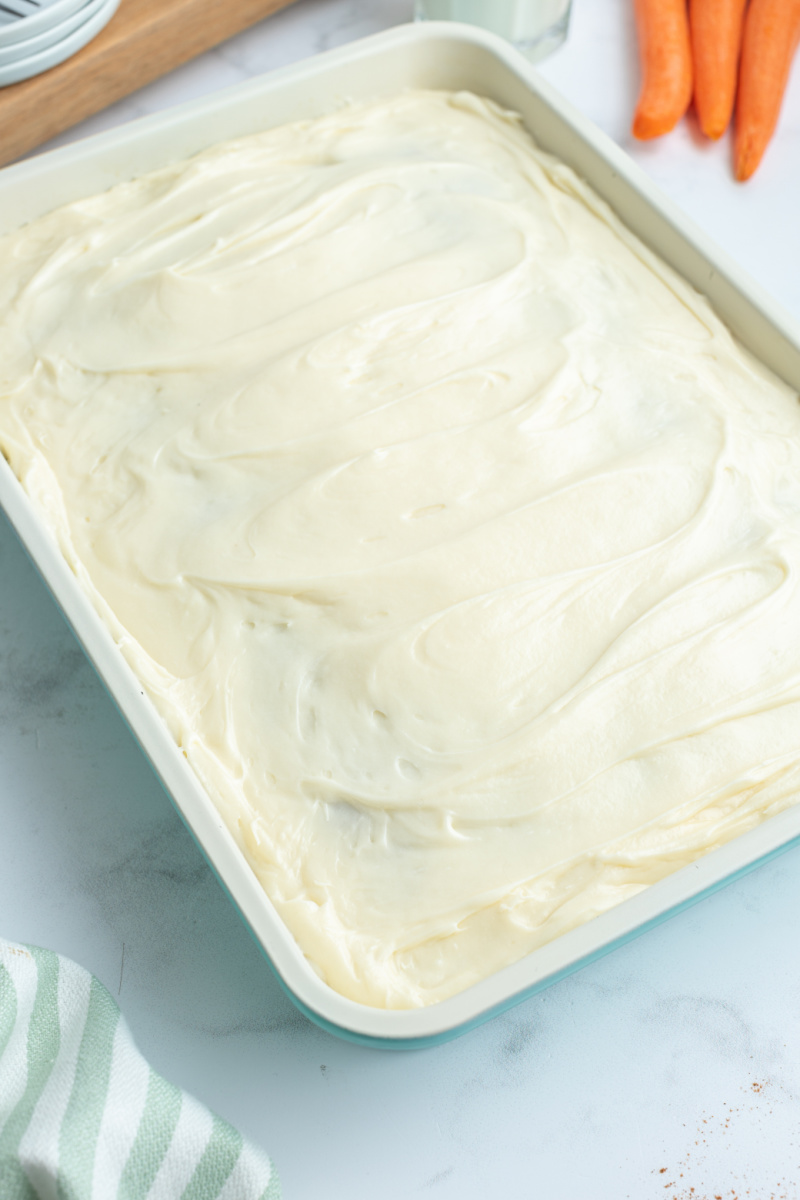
(536, 27)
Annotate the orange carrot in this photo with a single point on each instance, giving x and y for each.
(771, 34)
(716, 31)
(666, 58)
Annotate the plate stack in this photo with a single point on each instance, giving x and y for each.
(38, 34)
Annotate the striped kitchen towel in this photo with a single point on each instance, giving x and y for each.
(82, 1115)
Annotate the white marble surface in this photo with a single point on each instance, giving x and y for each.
(672, 1068)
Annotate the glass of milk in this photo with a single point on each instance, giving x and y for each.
(536, 27)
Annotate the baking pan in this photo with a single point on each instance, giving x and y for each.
(450, 57)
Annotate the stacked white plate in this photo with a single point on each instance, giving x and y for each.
(38, 34)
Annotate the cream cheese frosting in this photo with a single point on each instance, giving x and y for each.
(451, 533)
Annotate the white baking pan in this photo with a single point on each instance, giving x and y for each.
(433, 56)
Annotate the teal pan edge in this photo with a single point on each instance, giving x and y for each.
(448, 1035)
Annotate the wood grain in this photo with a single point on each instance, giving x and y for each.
(143, 40)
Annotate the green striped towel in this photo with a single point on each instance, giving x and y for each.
(82, 1115)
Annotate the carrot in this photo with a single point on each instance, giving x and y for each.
(771, 34)
(716, 31)
(666, 58)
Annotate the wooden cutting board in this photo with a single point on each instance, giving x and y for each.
(142, 41)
